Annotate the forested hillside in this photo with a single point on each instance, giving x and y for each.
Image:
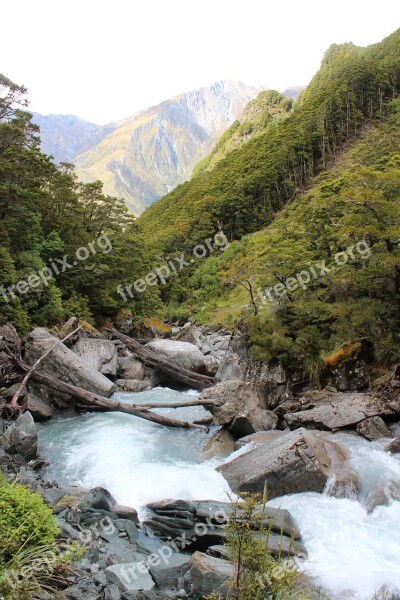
(323, 188)
(64, 246)
(246, 189)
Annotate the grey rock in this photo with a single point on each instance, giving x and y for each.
(183, 354)
(257, 438)
(111, 592)
(99, 498)
(210, 574)
(21, 437)
(382, 496)
(212, 364)
(133, 385)
(232, 398)
(296, 461)
(394, 446)
(38, 408)
(280, 545)
(130, 368)
(100, 355)
(334, 411)
(373, 428)
(222, 443)
(174, 518)
(64, 364)
(100, 578)
(256, 420)
(130, 577)
(192, 335)
(269, 378)
(83, 589)
(167, 573)
(126, 512)
(350, 372)
(344, 484)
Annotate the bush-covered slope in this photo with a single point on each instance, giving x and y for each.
(323, 190)
(326, 270)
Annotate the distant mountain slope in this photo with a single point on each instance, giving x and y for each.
(65, 136)
(155, 150)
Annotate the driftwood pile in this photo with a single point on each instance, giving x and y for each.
(13, 365)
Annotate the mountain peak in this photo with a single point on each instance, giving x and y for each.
(145, 156)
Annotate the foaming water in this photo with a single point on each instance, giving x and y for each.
(351, 553)
(137, 461)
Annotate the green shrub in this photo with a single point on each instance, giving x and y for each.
(257, 574)
(24, 520)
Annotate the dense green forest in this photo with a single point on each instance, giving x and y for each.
(58, 233)
(292, 186)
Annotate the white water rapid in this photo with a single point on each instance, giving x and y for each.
(350, 553)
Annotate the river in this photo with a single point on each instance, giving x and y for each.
(350, 553)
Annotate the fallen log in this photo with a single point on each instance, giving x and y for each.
(152, 359)
(14, 401)
(93, 401)
(176, 404)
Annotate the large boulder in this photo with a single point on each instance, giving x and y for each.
(232, 398)
(202, 525)
(269, 377)
(256, 420)
(21, 437)
(239, 408)
(130, 368)
(183, 354)
(330, 410)
(373, 428)
(98, 354)
(64, 364)
(297, 461)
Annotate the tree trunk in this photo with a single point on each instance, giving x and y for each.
(152, 359)
(92, 401)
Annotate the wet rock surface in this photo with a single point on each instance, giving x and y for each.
(297, 461)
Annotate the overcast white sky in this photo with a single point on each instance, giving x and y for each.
(106, 60)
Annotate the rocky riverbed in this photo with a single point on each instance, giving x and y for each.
(131, 487)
